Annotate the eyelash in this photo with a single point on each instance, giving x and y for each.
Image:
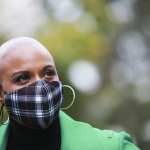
(50, 73)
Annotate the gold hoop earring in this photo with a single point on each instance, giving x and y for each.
(2, 122)
(73, 99)
(2, 114)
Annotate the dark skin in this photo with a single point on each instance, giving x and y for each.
(23, 64)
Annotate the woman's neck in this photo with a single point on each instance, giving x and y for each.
(26, 138)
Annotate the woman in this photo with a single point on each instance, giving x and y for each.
(31, 91)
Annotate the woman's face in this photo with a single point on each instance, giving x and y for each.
(22, 67)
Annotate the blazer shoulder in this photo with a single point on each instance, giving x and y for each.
(91, 138)
(117, 140)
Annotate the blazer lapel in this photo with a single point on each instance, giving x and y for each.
(3, 136)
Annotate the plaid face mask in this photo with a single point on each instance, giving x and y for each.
(36, 105)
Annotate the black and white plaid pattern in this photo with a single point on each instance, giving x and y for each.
(36, 105)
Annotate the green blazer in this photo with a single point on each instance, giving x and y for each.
(82, 136)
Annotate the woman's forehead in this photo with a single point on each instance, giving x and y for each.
(25, 59)
(23, 53)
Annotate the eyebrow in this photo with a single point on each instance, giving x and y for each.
(19, 72)
(48, 66)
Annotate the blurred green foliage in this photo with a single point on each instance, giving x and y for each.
(66, 39)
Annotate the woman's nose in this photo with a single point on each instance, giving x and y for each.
(37, 77)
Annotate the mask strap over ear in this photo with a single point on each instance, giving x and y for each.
(73, 98)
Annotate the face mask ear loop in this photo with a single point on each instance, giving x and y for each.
(73, 99)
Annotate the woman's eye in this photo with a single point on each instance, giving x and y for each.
(21, 79)
(49, 73)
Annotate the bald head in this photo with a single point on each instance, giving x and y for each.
(24, 60)
(21, 44)
(21, 48)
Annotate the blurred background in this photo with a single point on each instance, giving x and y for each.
(101, 49)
